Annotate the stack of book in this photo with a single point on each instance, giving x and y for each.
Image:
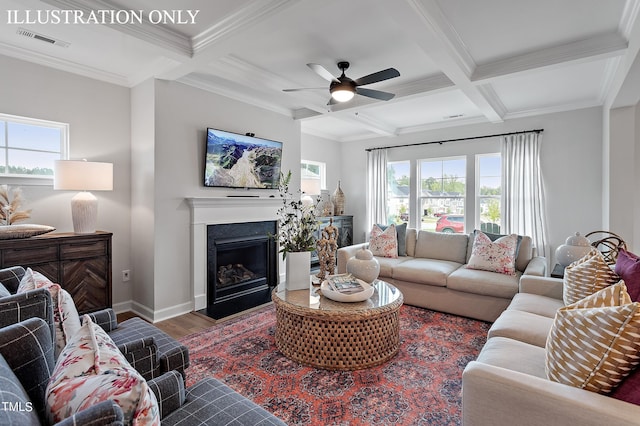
(344, 283)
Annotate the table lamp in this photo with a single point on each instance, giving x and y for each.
(84, 176)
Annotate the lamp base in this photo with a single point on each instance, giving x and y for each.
(84, 212)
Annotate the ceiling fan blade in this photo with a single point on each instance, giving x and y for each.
(376, 94)
(304, 88)
(378, 76)
(322, 72)
(332, 101)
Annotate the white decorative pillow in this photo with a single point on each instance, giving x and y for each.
(384, 243)
(90, 370)
(494, 256)
(65, 316)
(586, 276)
(593, 346)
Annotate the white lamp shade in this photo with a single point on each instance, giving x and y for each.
(73, 175)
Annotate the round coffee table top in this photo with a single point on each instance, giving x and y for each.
(384, 296)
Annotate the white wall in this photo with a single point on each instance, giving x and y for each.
(571, 158)
(99, 118)
(315, 148)
(182, 114)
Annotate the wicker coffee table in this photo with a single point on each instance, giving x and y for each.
(319, 332)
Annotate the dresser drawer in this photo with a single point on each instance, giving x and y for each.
(29, 256)
(83, 249)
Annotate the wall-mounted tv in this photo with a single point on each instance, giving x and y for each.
(239, 161)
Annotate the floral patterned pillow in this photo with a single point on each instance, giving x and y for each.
(384, 243)
(65, 316)
(494, 256)
(90, 370)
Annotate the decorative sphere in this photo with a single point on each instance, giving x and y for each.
(575, 247)
(364, 266)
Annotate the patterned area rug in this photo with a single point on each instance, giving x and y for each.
(419, 386)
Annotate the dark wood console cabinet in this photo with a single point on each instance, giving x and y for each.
(80, 263)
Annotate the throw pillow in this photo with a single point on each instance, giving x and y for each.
(594, 347)
(65, 316)
(494, 256)
(629, 389)
(586, 276)
(628, 268)
(3, 291)
(384, 243)
(401, 234)
(91, 369)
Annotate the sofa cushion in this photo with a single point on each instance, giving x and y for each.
(628, 268)
(436, 245)
(586, 276)
(412, 238)
(536, 304)
(494, 256)
(514, 355)
(483, 282)
(595, 348)
(425, 271)
(91, 369)
(12, 394)
(384, 243)
(401, 236)
(11, 277)
(388, 264)
(523, 326)
(65, 316)
(28, 350)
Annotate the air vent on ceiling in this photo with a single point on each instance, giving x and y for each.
(451, 117)
(32, 34)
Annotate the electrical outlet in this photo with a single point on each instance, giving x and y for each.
(126, 275)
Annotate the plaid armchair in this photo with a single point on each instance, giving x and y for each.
(148, 349)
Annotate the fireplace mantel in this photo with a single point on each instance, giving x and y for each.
(218, 210)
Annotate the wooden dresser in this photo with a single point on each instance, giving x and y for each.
(80, 263)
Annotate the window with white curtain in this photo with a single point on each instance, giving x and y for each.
(489, 192)
(398, 188)
(28, 146)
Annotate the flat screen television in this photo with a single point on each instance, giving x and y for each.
(239, 161)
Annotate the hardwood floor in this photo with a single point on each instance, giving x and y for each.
(186, 324)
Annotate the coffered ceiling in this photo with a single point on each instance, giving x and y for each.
(460, 61)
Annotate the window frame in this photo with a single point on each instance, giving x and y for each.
(26, 179)
(462, 199)
(478, 196)
(322, 167)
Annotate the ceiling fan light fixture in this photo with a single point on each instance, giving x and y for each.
(341, 94)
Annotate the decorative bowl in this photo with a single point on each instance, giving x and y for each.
(353, 297)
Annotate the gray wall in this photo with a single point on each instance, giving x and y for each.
(99, 125)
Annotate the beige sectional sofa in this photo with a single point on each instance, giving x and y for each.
(432, 274)
(508, 385)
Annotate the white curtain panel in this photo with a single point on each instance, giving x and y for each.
(523, 202)
(376, 186)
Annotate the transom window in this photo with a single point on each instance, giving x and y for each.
(28, 146)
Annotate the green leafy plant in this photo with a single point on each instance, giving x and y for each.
(297, 223)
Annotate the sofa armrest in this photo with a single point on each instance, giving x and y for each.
(543, 286)
(35, 303)
(537, 266)
(105, 318)
(492, 396)
(104, 413)
(142, 354)
(169, 392)
(346, 253)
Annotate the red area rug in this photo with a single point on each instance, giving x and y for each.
(419, 386)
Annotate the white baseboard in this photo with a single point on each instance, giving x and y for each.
(151, 315)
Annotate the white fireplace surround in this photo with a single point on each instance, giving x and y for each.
(219, 210)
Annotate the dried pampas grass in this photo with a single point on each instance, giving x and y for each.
(10, 203)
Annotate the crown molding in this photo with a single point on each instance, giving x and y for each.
(157, 35)
(248, 15)
(554, 109)
(224, 90)
(63, 65)
(629, 17)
